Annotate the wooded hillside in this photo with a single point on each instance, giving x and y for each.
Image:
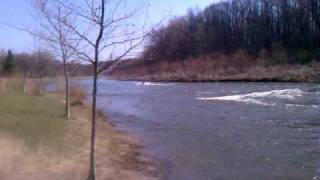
(257, 26)
(235, 40)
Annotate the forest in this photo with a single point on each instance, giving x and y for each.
(252, 25)
(242, 40)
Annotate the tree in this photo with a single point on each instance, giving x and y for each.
(50, 19)
(44, 66)
(9, 66)
(100, 31)
(251, 25)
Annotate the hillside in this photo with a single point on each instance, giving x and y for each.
(237, 40)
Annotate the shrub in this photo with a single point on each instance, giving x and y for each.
(78, 95)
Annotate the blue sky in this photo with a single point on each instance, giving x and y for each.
(17, 12)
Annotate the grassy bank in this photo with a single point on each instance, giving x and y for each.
(36, 119)
(219, 67)
(36, 142)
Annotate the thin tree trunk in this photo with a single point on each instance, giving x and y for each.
(40, 86)
(92, 173)
(24, 83)
(67, 99)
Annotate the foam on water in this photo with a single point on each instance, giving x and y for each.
(204, 93)
(302, 106)
(151, 84)
(259, 97)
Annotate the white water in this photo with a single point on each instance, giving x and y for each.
(259, 97)
(151, 84)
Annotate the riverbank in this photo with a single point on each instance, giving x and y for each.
(217, 68)
(37, 143)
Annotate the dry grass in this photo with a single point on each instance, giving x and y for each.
(77, 94)
(37, 144)
(219, 67)
(20, 84)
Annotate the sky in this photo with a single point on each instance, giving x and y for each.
(17, 13)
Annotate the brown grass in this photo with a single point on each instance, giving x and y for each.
(26, 85)
(117, 154)
(77, 92)
(220, 67)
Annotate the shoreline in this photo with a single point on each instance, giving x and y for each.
(126, 147)
(140, 162)
(216, 70)
(118, 155)
(247, 80)
(125, 150)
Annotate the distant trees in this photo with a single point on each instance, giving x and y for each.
(9, 66)
(23, 66)
(41, 63)
(251, 25)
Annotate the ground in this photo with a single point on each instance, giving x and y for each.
(37, 143)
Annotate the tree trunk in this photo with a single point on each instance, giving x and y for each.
(315, 12)
(67, 99)
(40, 85)
(24, 90)
(92, 173)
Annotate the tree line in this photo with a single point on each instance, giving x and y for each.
(256, 26)
(38, 64)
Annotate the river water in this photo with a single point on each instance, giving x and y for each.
(220, 131)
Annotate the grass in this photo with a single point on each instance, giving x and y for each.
(57, 148)
(219, 67)
(35, 119)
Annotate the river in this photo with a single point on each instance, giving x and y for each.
(220, 131)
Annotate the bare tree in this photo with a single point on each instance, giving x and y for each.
(44, 66)
(51, 16)
(100, 31)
